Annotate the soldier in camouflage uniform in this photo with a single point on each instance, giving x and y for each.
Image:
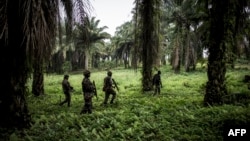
(66, 90)
(157, 83)
(108, 88)
(88, 89)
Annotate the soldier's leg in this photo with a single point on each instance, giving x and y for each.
(90, 106)
(68, 99)
(155, 90)
(159, 89)
(85, 107)
(106, 97)
(65, 99)
(84, 111)
(112, 91)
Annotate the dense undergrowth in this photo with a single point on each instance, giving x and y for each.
(177, 114)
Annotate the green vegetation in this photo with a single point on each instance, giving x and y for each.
(177, 114)
(159, 32)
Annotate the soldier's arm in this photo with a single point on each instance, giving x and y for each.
(70, 87)
(92, 86)
(160, 82)
(82, 87)
(67, 85)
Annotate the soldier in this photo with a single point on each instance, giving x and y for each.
(108, 88)
(157, 83)
(66, 90)
(88, 89)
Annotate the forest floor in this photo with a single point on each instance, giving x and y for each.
(177, 114)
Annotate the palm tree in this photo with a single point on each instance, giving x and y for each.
(149, 38)
(180, 16)
(216, 87)
(240, 10)
(95, 35)
(123, 52)
(123, 42)
(63, 44)
(175, 17)
(100, 51)
(135, 19)
(221, 33)
(27, 28)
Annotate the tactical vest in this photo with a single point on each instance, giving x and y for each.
(87, 86)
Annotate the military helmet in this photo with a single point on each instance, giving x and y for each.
(159, 72)
(109, 73)
(86, 73)
(66, 76)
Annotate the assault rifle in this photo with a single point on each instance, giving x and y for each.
(116, 86)
(71, 89)
(95, 91)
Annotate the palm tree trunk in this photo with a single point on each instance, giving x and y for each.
(149, 38)
(86, 59)
(176, 61)
(38, 80)
(157, 47)
(247, 49)
(216, 87)
(163, 60)
(126, 60)
(135, 58)
(193, 57)
(13, 106)
(187, 54)
(57, 61)
(158, 61)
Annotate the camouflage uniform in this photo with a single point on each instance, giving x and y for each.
(66, 90)
(157, 83)
(108, 88)
(88, 89)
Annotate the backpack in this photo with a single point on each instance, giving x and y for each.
(156, 79)
(106, 83)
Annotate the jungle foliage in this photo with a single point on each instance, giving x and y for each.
(161, 31)
(177, 114)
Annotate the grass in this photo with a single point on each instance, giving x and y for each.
(175, 115)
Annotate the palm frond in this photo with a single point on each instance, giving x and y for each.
(123, 48)
(3, 17)
(82, 9)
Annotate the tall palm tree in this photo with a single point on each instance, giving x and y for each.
(240, 18)
(123, 42)
(95, 35)
(183, 18)
(149, 38)
(135, 19)
(27, 26)
(219, 39)
(216, 87)
(177, 18)
(123, 52)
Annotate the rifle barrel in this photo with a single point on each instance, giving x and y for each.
(115, 85)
